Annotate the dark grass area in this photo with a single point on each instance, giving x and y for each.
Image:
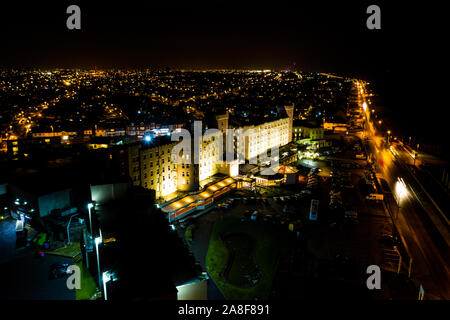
(241, 269)
(268, 243)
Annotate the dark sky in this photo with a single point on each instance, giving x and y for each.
(327, 36)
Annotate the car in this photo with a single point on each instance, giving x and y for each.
(268, 218)
(351, 214)
(389, 240)
(254, 216)
(245, 216)
(58, 270)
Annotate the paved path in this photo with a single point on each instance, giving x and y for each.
(7, 238)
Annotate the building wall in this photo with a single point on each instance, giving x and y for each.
(193, 291)
(262, 137)
(55, 200)
(105, 192)
(152, 168)
(302, 132)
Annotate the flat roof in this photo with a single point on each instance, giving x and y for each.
(204, 195)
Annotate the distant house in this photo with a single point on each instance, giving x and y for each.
(307, 130)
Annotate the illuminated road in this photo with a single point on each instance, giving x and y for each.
(424, 227)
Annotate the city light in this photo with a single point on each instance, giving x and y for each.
(364, 106)
(147, 138)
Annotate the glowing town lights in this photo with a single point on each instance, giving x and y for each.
(364, 106)
(147, 138)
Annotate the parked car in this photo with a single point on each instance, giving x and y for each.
(389, 240)
(245, 216)
(351, 214)
(58, 270)
(254, 216)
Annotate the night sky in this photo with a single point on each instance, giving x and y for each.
(324, 36)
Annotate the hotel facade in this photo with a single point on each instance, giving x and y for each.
(152, 167)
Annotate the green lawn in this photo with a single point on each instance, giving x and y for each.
(88, 285)
(189, 233)
(268, 244)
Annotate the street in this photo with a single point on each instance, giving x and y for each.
(418, 221)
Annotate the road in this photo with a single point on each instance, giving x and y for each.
(418, 221)
(24, 276)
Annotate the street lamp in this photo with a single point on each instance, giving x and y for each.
(105, 277)
(68, 228)
(90, 206)
(98, 241)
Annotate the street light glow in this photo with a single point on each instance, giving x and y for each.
(364, 106)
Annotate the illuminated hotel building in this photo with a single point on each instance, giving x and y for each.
(259, 137)
(150, 166)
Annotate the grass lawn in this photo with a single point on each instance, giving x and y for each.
(70, 251)
(269, 242)
(278, 191)
(88, 285)
(189, 232)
